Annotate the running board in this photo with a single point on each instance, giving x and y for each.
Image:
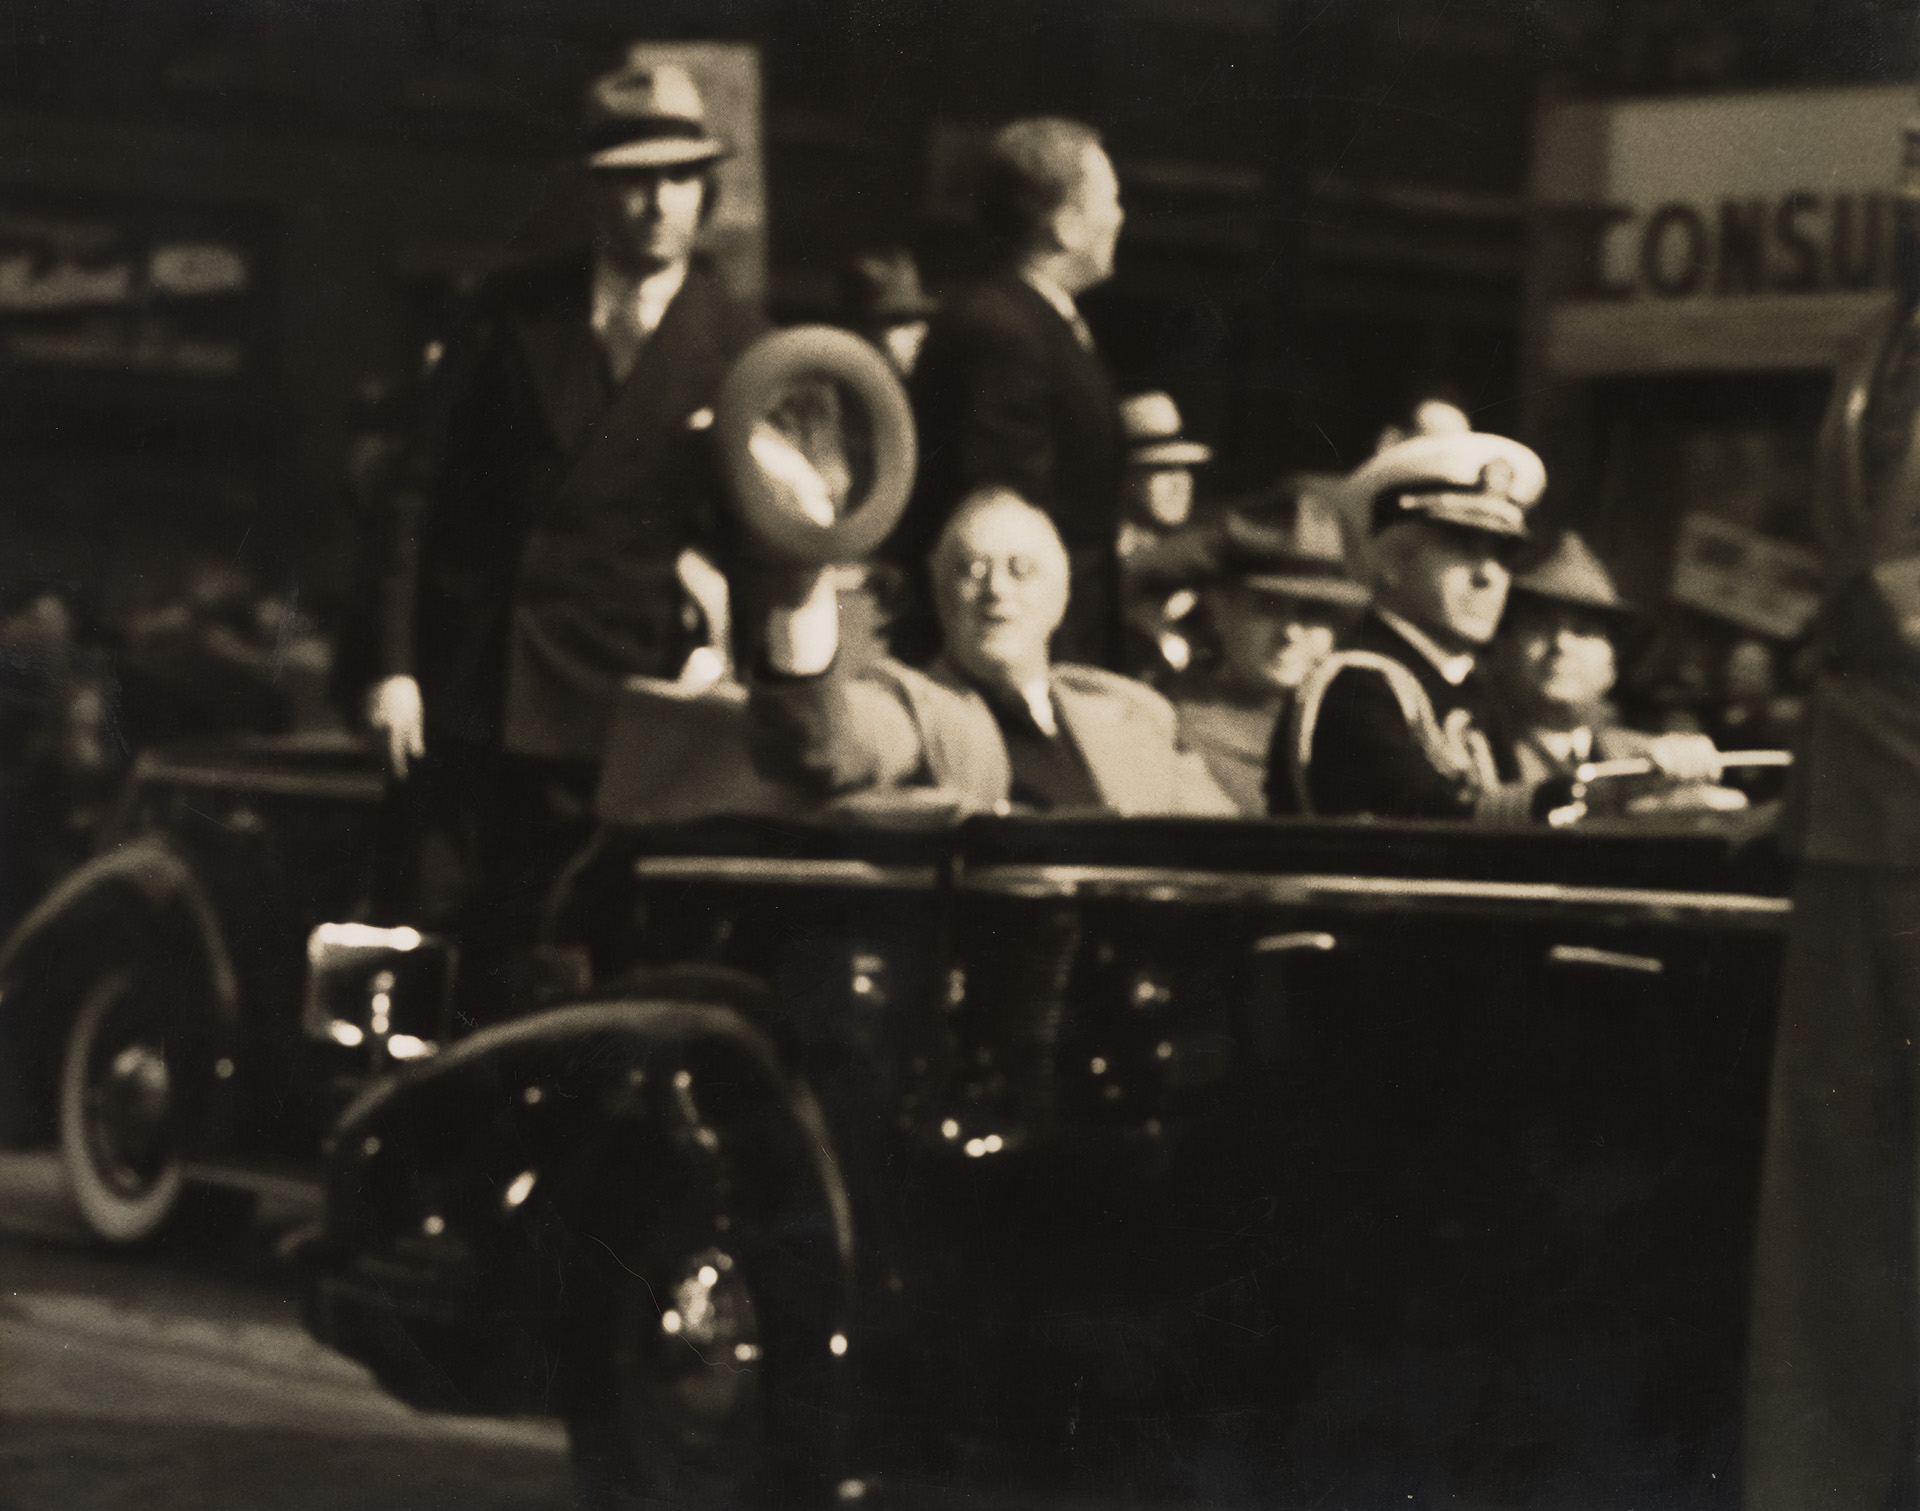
(279, 1184)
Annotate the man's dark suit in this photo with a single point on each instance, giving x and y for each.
(538, 517)
(1364, 754)
(1005, 393)
(542, 509)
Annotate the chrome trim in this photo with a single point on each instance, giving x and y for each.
(1166, 884)
(746, 870)
(1612, 960)
(354, 786)
(1289, 944)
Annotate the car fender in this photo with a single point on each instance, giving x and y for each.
(144, 885)
(433, 1149)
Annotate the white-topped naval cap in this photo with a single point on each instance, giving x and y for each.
(1484, 482)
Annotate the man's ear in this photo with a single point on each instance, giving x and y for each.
(1056, 240)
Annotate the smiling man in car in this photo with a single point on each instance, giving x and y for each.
(994, 720)
(1404, 722)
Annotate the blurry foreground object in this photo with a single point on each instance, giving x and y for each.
(1556, 667)
(1834, 1356)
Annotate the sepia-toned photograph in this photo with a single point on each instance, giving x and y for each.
(959, 755)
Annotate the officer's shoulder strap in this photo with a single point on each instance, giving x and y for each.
(1415, 707)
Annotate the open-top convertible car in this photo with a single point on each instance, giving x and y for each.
(878, 1143)
(1179, 1156)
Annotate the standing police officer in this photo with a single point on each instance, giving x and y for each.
(560, 473)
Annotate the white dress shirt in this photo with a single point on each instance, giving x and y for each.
(628, 310)
(1455, 668)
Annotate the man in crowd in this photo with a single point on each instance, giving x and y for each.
(1273, 601)
(881, 298)
(1834, 1352)
(1158, 543)
(1405, 723)
(1555, 665)
(994, 720)
(1010, 391)
(543, 512)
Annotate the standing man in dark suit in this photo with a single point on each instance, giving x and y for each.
(1010, 391)
(1834, 1357)
(546, 509)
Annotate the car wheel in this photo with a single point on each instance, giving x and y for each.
(119, 1116)
(116, 1112)
(668, 1407)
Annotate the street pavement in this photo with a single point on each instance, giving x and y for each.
(183, 1381)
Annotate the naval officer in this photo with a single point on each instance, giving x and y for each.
(1404, 721)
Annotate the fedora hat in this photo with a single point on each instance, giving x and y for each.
(883, 288)
(648, 115)
(1304, 561)
(1571, 574)
(1151, 424)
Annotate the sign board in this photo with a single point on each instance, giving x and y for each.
(1746, 232)
(116, 288)
(1760, 584)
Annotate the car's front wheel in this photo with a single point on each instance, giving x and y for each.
(120, 1116)
(117, 1111)
(668, 1409)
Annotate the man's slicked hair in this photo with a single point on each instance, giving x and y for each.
(1032, 167)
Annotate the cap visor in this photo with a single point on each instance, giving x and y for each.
(659, 152)
(1494, 516)
(1170, 454)
(1335, 590)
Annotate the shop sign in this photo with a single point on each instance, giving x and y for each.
(120, 287)
(1744, 232)
(1763, 585)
